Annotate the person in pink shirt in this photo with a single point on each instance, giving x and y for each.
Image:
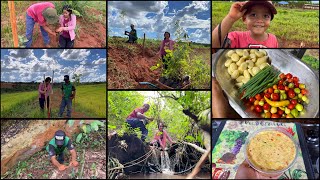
(43, 13)
(161, 137)
(257, 16)
(67, 26)
(44, 92)
(167, 43)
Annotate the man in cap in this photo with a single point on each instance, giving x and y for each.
(56, 147)
(132, 34)
(68, 93)
(43, 13)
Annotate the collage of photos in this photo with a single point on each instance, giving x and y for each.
(209, 89)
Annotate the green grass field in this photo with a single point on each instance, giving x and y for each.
(290, 26)
(90, 101)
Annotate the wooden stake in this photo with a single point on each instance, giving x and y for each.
(13, 23)
(144, 39)
(45, 91)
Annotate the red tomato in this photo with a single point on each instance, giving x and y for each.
(258, 97)
(281, 82)
(293, 101)
(286, 88)
(295, 79)
(291, 93)
(266, 106)
(258, 108)
(283, 76)
(296, 84)
(275, 97)
(290, 80)
(289, 76)
(304, 91)
(251, 99)
(281, 87)
(270, 90)
(280, 112)
(275, 116)
(291, 106)
(267, 95)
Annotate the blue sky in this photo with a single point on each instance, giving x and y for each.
(26, 65)
(156, 17)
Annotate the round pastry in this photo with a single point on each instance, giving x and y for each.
(271, 150)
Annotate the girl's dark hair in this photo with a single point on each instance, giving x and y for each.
(47, 79)
(165, 34)
(67, 8)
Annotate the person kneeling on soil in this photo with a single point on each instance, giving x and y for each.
(44, 90)
(68, 93)
(166, 44)
(161, 137)
(68, 25)
(132, 34)
(43, 13)
(56, 147)
(137, 119)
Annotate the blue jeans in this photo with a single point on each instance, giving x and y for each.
(60, 158)
(29, 32)
(64, 103)
(132, 38)
(136, 123)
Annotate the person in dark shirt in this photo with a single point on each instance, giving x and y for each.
(132, 34)
(68, 93)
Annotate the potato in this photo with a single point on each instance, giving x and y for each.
(261, 60)
(250, 63)
(263, 65)
(239, 52)
(233, 67)
(245, 80)
(255, 70)
(243, 66)
(229, 53)
(259, 54)
(254, 60)
(240, 61)
(228, 62)
(250, 72)
(245, 54)
(253, 56)
(246, 74)
(253, 51)
(239, 84)
(235, 74)
(263, 51)
(239, 79)
(235, 57)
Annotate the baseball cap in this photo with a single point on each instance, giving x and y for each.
(50, 14)
(66, 77)
(265, 3)
(59, 137)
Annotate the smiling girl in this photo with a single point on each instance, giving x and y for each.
(67, 26)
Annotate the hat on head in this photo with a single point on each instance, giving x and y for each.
(50, 14)
(59, 137)
(66, 77)
(265, 3)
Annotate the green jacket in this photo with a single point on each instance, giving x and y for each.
(56, 149)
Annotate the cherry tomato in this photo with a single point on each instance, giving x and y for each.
(290, 80)
(296, 84)
(258, 97)
(291, 93)
(256, 102)
(291, 106)
(251, 99)
(295, 79)
(267, 95)
(266, 106)
(258, 108)
(280, 112)
(304, 91)
(283, 76)
(289, 76)
(286, 88)
(280, 82)
(275, 116)
(275, 97)
(293, 101)
(275, 86)
(270, 90)
(281, 87)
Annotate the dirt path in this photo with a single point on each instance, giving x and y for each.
(127, 66)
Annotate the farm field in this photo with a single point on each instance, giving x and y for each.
(292, 27)
(129, 64)
(88, 103)
(89, 14)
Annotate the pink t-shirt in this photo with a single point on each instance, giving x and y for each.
(166, 44)
(133, 114)
(35, 11)
(163, 141)
(42, 87)
(240, 39)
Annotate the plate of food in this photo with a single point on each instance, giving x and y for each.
(267, 83)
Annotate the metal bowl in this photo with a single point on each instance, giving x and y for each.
(281, 60)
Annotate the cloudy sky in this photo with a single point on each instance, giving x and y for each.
(156, 17)
(26, 65)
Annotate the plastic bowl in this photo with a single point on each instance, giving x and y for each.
(276, 173)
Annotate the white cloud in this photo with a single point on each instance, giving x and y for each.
(99, 61)
(75, 54)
